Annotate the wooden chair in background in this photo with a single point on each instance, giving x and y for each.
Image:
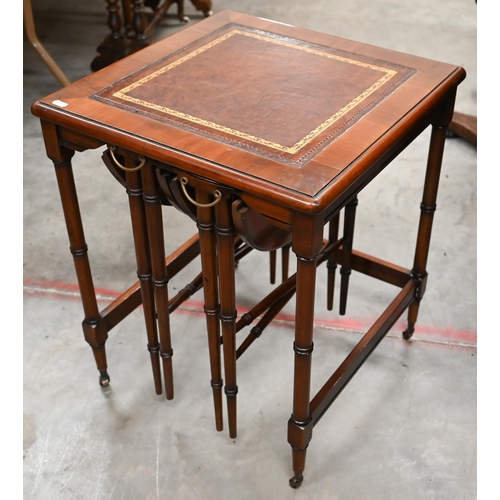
(29, 26)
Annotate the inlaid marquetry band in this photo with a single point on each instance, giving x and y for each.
(386, 75)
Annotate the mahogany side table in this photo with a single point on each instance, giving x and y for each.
(245, 113)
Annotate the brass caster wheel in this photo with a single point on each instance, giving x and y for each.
(104, 379)
(296, 481)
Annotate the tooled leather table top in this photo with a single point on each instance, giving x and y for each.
(259, 91)
(258, 101)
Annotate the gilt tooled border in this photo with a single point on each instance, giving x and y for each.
(269, 37)
(387, 75)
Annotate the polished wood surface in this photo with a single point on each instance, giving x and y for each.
(322, 174)
(464, 126)
(291, 124)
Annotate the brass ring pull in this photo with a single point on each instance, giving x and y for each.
(143, 161)
(217, 194)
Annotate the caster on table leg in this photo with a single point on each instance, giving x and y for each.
(104, 378)
(407, 334)
(296, 481)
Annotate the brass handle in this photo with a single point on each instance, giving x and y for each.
(217, 194)
(143, 161)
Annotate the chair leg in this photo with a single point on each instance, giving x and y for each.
(29, 26)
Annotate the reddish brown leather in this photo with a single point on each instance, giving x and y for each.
(274, 95)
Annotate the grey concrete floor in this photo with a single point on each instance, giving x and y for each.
(405, 427)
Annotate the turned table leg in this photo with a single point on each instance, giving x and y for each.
(154, 221)
(303, 348)
(205, 223)
(428, 207)
(331, 265)
(94, 328)
(144, 272)
(225, 253)
(306, 243)
(345, 269)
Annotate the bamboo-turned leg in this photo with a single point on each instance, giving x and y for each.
(144, 273)
(154, 220)
(94, 329)
(427, 209)
(345, 269)
(225, 256)
(205, 222)
(299, 429)
(307, 242)
(331, 265)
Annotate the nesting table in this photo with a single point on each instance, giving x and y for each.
(235, 114)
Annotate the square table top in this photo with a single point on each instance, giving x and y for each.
(260, 106)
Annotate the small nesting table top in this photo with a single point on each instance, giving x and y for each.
(279, 112)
